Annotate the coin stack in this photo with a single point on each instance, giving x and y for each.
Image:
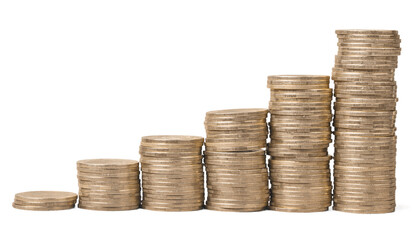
(45, 200)
(108, 184)
(172, 172)
(365, 113)
(235, 160)
(300, 133)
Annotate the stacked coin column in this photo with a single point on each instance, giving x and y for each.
(108, 184)
(365, 113)
(300, 133)
(235, 160)
(172, 173)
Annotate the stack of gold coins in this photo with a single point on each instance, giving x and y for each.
(108, 184)
(365, 113)
(172, 172)
(45, 200)
(300, 133)
(235, 160)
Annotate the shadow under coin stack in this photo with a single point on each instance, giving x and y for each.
(45, 200)
(365, 113)
(235, 160)
(108, 184)
(300, 133)
(172, 172)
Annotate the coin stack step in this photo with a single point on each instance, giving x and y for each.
(365, 114)
(300, 133)
(172, 172)
(235, 160)
(108, 184)
(45, 200)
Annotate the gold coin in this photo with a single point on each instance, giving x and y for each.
(300, 160)
(89, 195)
(297, 87)
(219, 207)
(366, 60)
(217, 133)
(173, 209)
(109, 180)
(368, 36)
(107, 171)
(165, 145)
(312, 114)
(111, 202)
(240, 148)
(236, 154)
(240, 141)
(41, 208)
(178, 177)
(44, 206)
(364, 211)
(235, 158)
(173, 139)
(370, 45)
(282, 82)
(299, 77)
(104, 208)
(243, 112)
(367, 31)
(108, 163)
(370, 40)
(363, 66)
(108, 192)
(301, 210)
(108, 187)
(191, 151)
(110, 175)
(170, 154)
(46, 196)
(235, 165)
(189, 159)
(370, 53)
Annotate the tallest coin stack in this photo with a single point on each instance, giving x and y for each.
(365, 113)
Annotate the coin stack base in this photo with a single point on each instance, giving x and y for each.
(300, 108)
(108, 184)
(365, 114)
(45, 200)
(172, 173)
(235, 160)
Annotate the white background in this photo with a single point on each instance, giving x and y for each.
(86, 79)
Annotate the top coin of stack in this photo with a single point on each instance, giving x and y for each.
(235, 160)
(300, 108)
(45, 200)
(172, 172)
(365, 113)
(108, 184)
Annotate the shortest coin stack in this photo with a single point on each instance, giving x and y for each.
(108, 184)
(45, 200)
(172, 172)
